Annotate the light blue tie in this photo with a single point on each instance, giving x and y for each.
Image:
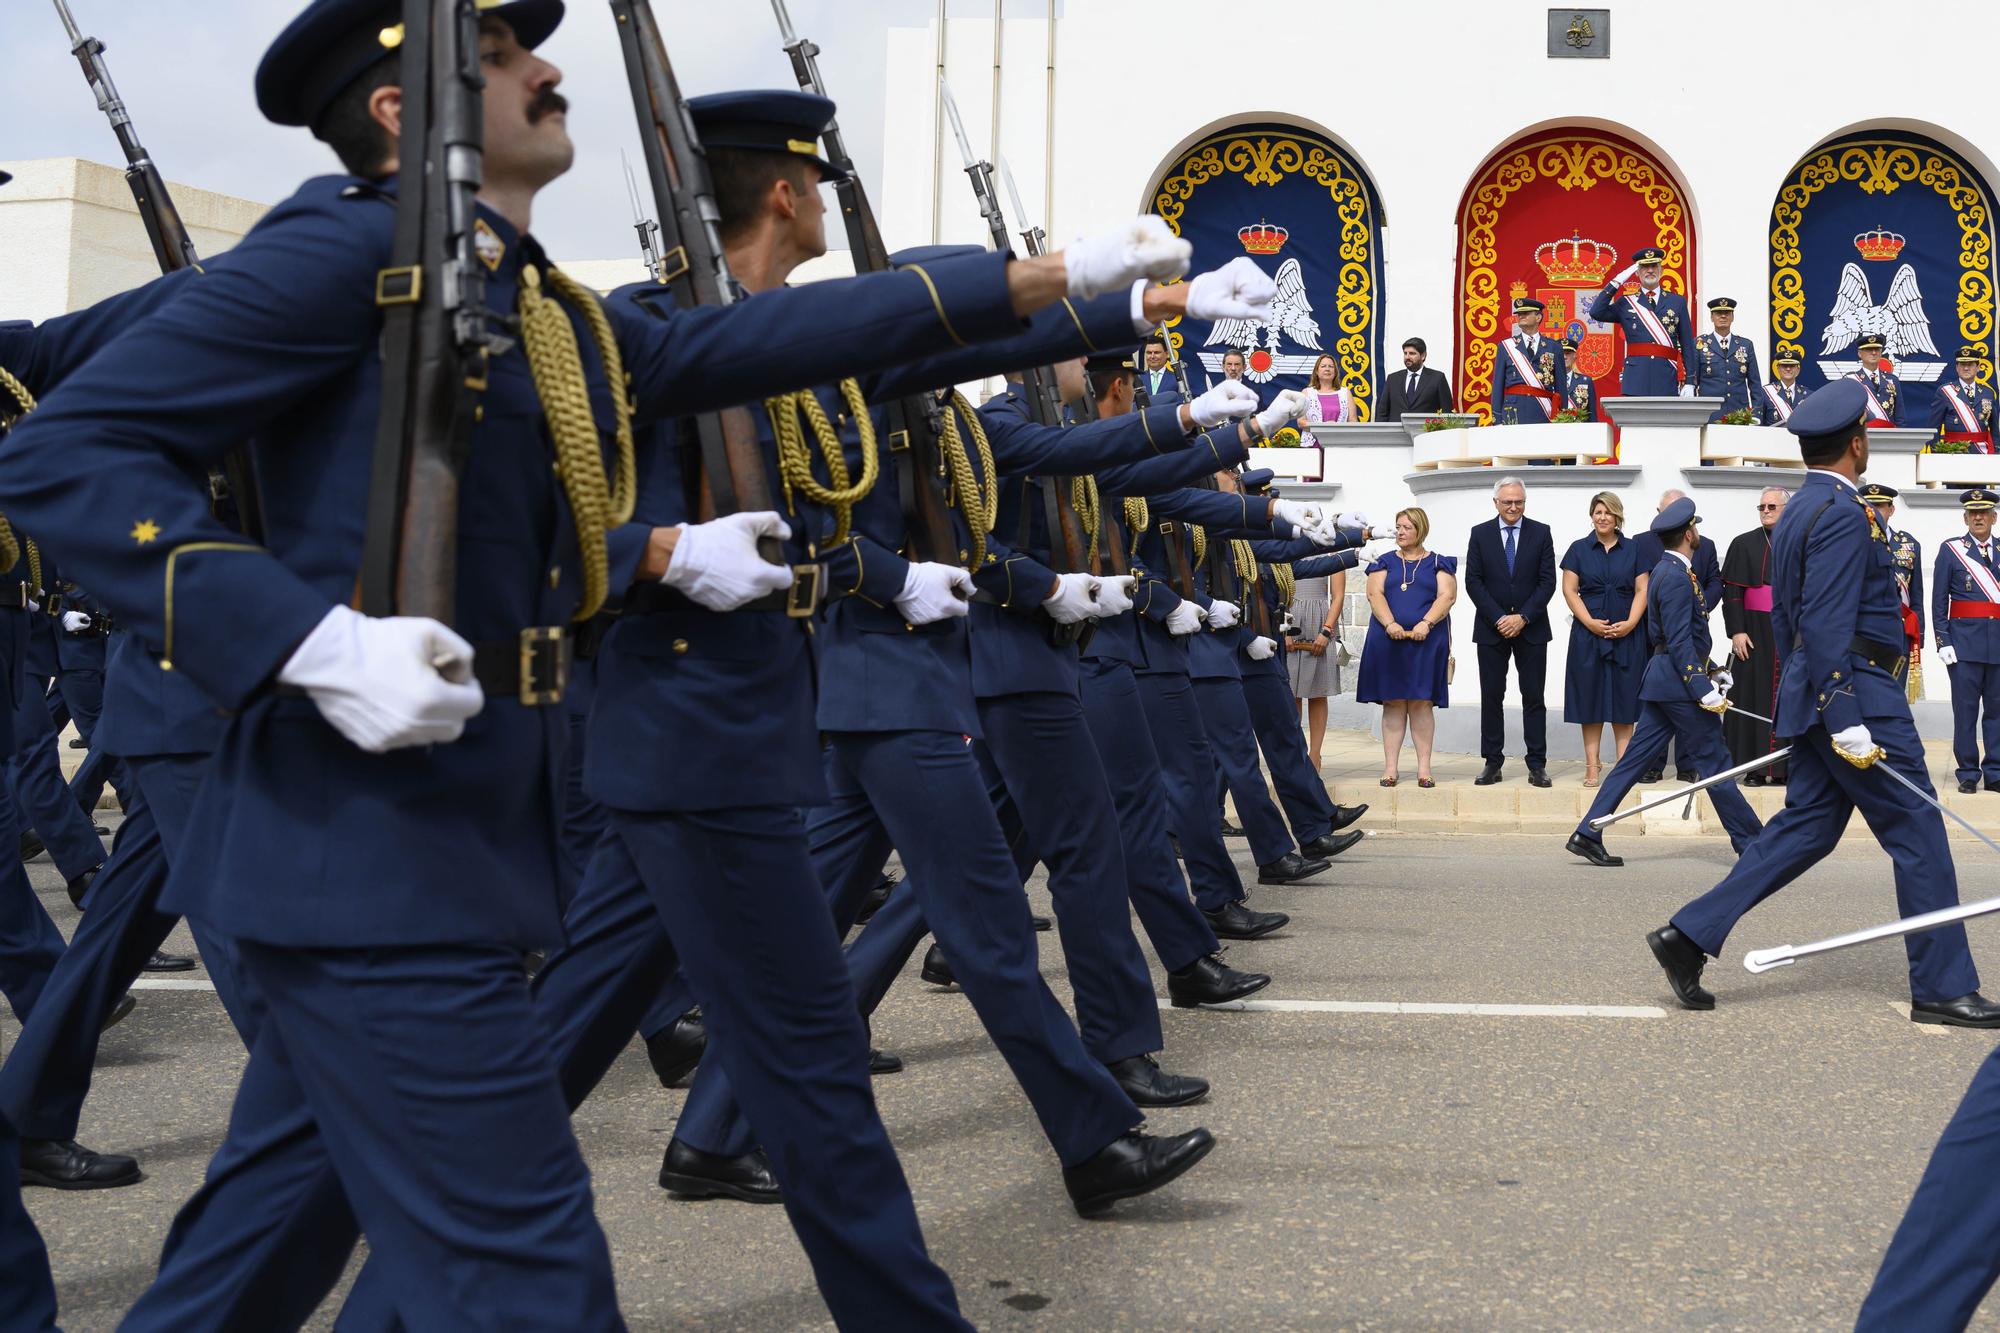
(1510, 548)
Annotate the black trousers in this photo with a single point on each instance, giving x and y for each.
(1531, 663)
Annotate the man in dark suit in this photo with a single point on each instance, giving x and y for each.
(1510, 575)
(1708, 570)
(1417, 390)
(1158, 385)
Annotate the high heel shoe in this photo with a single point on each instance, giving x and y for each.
(1388, 782)
(1425, 782)
(1590, 778)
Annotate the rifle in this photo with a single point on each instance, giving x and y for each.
(437, 335)
(173, 248)
(915, 421)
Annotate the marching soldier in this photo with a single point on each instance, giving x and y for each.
(1777, 400)
(1962, 411)
(1659, 334)
(1909, 556)
(1726, 364)
(1885, 391)
(1965, 619)
(1527, 370)
(1579, 390)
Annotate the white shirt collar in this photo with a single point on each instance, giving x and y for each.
(1829, 472)
(1682, 557)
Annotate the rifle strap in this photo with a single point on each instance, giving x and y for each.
(795, 463)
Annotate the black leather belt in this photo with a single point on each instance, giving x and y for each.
(14, 597)
(1890, 659)
(532, 667)
(800, 601)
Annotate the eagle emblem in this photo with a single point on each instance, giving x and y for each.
(1900, 320)
(1260, 339)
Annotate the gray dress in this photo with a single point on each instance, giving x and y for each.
(1313, 677)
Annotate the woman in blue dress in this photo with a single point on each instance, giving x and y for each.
(1606, 592)
(1404, 663)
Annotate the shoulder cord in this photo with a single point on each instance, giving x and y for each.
(1288, 583)
(1200, 542)
(10, 546)
(795, 462)
(1246, 561)
(979, 510)
(1084, 499)
(1137, 516)
(596, 505)
(35, 571)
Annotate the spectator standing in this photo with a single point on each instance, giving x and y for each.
(1417, 391)
(1314, 657)
(1405, 665)
(1510, 575)
(1326, 400)
(1606, 592)
(1753, 644)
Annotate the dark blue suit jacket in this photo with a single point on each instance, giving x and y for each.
(1677, 618)
(1707, 568)
(1495, 593)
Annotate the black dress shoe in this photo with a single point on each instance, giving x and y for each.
(1209, 980)
(65, 1164)
(872, 903)
(126, 1004)
(31, 845)
(1042, 923)
(1650, 775)
(1753, 779)
(881, 1062)
(1329, 845)
(80, 886)
(1591, 850)
(936, 970)
(161, 961)
(101, 830)
(1238, 922)
(1149, 1085)
(1487, 776)
(1968, 787)
(1230, 830)
(1682, 960)
(1993, 786)
(1685, 775)
(1967, 1011)
(689, 1173)
(677, 1048)
(1130, 1165)
(1343, 815)
(1539, 777)
(1291, 868)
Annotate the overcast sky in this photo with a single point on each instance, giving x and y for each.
(184, 68)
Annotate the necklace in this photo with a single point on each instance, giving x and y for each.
(1409, 569)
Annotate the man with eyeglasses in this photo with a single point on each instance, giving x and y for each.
(1746, 616)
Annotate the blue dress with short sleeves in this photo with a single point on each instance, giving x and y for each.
(1602, 684)
(1407, 668)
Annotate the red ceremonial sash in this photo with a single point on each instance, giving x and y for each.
(1778, 404)
(1878, 417)
(1970, 432)
(1662, 344)
(1982, 577)
(1526, 370)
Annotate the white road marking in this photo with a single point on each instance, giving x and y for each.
(172, 983)
(1419, 1007)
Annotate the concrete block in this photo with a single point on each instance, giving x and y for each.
(1495, 802)
(1667, 819)
(1563, 804)
(1420, 811)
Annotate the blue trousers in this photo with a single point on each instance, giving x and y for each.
(42, 797)
(1946, 1253)
(419, 1081)
(1225, 717)
(1274, 712)
(79, 696)
(1823, 792)
(1975, 689)
(1187, 772)
(30, 944)
(1159, 891)
(1702, 749)
(27, 1288)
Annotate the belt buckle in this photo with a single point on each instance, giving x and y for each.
(802, 598)
(542, 647)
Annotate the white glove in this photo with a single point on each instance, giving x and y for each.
(1687, 390)
(386, 683)
(1714, 702)
(932, 592)
(1184, 619)
(716, 563)
(1625, 275)
(1114, 595)
(1856, 744)
(1237, 290)
(1260, 649)
(1353, 521)
(75, 622)
(1283, 408)
(1227, 401)
(1326, 532)
(1297, 513)
(1948, 655)
(1724, 680)
(1114, 259)
(1074, 599)
(1224, 615)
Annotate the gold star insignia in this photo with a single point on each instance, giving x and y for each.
(145, 530)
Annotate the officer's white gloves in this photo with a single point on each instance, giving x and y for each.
(1355, 523)
(1724, 680)
(1114, 595)
(1237, 290)
(1687, 390)
(1856, 746)
(1111, 260)
(932, 591)
(76, 622)
(1074, 599)
(1184, 619)
(1625, 275)
(1224, 615)
(716, 564)
(1714, 702)
(1948, 655)
(1260, 649)
(386, 683)
(1283, 408)
(1300, 515)
(1227, 401)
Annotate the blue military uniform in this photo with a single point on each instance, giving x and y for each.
(1775, 402)
(1885, 389)
(1965, 617)
(1528, 374)
(1961, 414)
(1670, 692)
(1908, 554)
(1725, 366)
(1659, 334)
(1579, 391)
(1835, 602)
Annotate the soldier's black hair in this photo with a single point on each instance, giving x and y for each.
(1827, 448)
(1673, 537)
(743, 176)
(357, 139)
(1102, 380)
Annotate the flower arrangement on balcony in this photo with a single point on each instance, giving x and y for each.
(1742, 416)
(1942, 446)
(1438, 423)
(1287, 437)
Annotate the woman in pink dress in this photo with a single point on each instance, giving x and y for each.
(1326, 401)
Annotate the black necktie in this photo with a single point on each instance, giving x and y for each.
(1411, 392)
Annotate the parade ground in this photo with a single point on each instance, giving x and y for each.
(1468, 1101)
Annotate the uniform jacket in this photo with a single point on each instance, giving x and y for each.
(1943, 417)
(1888, 391)
(1707, 568)
(1546, 356)
(1909, 554)
(1649, 376)
(1973, 640)
(1726, 369)
(1495, 593)
(1579, 392)
(1677, 623)
(1767, 413)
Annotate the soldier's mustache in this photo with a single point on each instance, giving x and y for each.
(547, 100)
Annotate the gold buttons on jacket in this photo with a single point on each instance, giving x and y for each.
(555, 576)
(680, 645)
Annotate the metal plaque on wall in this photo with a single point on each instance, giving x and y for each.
(1579, 34)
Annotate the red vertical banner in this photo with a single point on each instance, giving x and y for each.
(1554, 215)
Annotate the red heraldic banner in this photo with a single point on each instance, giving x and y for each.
(1554, 215)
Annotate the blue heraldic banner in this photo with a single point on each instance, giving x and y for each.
(1309, 216)
(1883, 232)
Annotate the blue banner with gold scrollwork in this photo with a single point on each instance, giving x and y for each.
(1883, 232)
(1309, 216)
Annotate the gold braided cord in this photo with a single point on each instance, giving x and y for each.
(18, 390)
(979, 510)
(1083, 499)
(1288, 583)
(10, 546)
(624, 481)
(1245, 560)
(34, 568)
(795, 463)
(1200, 542)
(1137, 516)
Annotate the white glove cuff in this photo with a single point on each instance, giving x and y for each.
(1141, 326)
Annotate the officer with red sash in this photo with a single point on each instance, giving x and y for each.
(1962, 409)
(1659, 333)
(1775, 402)
(1527, 370)
(1885, 391)
(1908, 554)
(1965, 618)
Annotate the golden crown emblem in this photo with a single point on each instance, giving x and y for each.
(1264, 238)
(1879, 244)
(1576, 262)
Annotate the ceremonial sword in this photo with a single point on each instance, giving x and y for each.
(1668, 798)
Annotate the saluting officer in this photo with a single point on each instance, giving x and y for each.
(1725, 364)
(1961, 410)
(1579, 390)
(1885, 391)
(1909, 556)
(1965, 618)
(1659, 334)
(1776, 401)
